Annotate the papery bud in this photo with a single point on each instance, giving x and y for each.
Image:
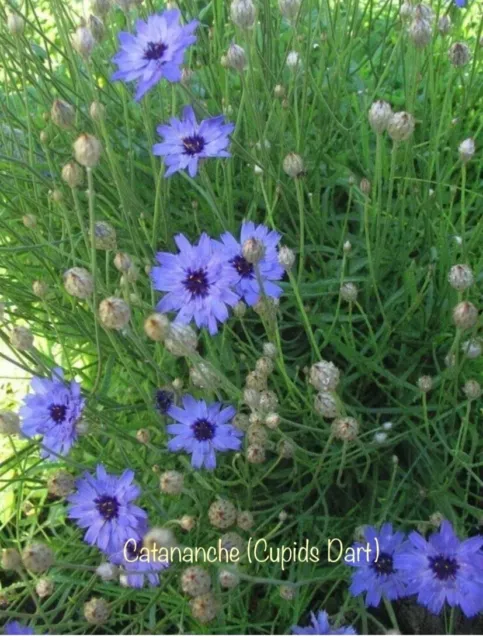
(204, 376)
(472, 348)
(444, 25)
(406, 11)
(222, 514)
(245, 520)
(293, 61)
(349, 292)
(40, 288)
(253, 250)
(289, 8)
(187, 522)
(100, 7)
(156, 326)
(286, 258)
(236, 57)
(29, 221)
(401, 126)
(160, 537)
(240, 309)
(97, 111)
(122, 262)
(171, 483)
(256, 380)
(228, 578)
(347, 247)
(379, 115)
(114, 313)
(73, 174)
(467, 150)
(251, 397)
(256, 434)
(264, 366)
(268, 401)
(62, 114)
(104, 236)
(87, 150)
(61, 484)
(96, 27)
(9, 423)
(44, 588)
(345, 429)
(286, 449)
(37, 557)
(83, 42)
(460, 277)
(465, 315)
(325, 404)
(459, 54)
(78, 282)
(425, 384)
(44, 137)
(97, 611)
(15, 24)
(186, 76)
(181, 340)
(195, 581)
(21, 338)
(293, 165)
(11, 560)
(472, 389)
(272, 420)
(256, 454)
(324, 376)
(107, 572)
(270, 350)
(287, 592)
(204, 608)
(243, 13)
(420, 32)
(232, 540)
(279, 91)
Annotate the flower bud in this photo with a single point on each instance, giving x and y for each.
(61, 484)
(107, 572)
(264, 366)
(97, 111)
(256, 380)
(293, 165)
(40, 288)
(472, 348)
(187, 522)
(97, 611)
(240, 309)
(472, 390)
(460, 277)
(289, 8)
(380, 437)
(325, 404)
(15, 24)
(236, 57)
(228, 578)
(96, 27)
(444, 25)
(44, 588)
(256, 434)
(72, 174)
(222, 514)
(99, 7)
(268, 401)
(425, 384)
(186, 77)
(348, 292)
(83, 42)
(37, 557)
(272, 420)
(406, 11)
(245, 520)
(293, 61)
(253, 250)
(11, 560)
(181, 340)
(44, 137)
(78, 282)
(256, 454)
(21, 338)
(122, 262)
(420, 32)
(62, 114)
(143, 436)
(324, 376)
(279, 91)
(345, 429)
(270, 350)
(287, 592)
(401, 126)
(105, 238)
(465, 315)
(156, 327)
(204, 608)
(29, 221)
(459, 54)
(171, 483)
(242, 13)
(233, 540)
(204, 376)
(87, 150)
(195, 581)
(467, 150)
(286, 258)
(160, 537)
(114, 313)
(286, 449)
(379, 115)
(9, 423)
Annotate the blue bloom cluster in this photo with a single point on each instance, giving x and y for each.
(201, 281)
(16, 629)
(320, 627)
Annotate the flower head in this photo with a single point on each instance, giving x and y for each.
(52, 411)
(320, 627)
(243, 272)
(375, 573)
(155, 52)
(202, 430)
(197, 282)
(138, 563)
(443, 569)
(186, 142)
(103, 505)
(16, 629)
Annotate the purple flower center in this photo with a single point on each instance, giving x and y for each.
(197, 282)
(203, 430)
(383, 566)
(154, 50)
(58, 412)
(444, 568)
(164, 400)
(108, 506)
(243, 267)
(193, 145)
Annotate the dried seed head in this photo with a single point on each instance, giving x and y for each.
(9, 423)
(15, 24)
(253, 250)
(114, 313)
(401, 126)
(204, 376)
(171, 483)
(348, 292)
(21, 338)
(459, 54)
(257, 434)
(40, 288)
(62, 114)
(143, 436)
(467, 150)
(345, 429)
(256, 380)
(472, 389)
(156, 326)
(97, 111)
(78, 282)
(122, 261)
(29, 221)
(251, 397)
(73, 175)
(444, 25)
(245, 520)
(97, 611)
(87, 150)
(96, 27)
(240, 309)
(460, 277)
(83, 41)
(222, 514)
(270, 350)
(187, 522)
(11, 560)
(236, 57)
(228, 578)
(293, 165)
(195, 581)
(181, 340)
(279, 91)
(420, 32)
(268, 401)
(37, 557)
(107, 572)
(287, 592)
(264, 366)
(425, 384)
(44, 588)
(380, 437)
(104, 236)
(61, 484)
(272, 421)
(324, 376)
(379, 115)
(100, 7)
(233, 540)
(472, 348)
(243, 13)
(286, 449)
(465, 315)
(204, 608)
(256, 454)
(325, 404)
(286, 258)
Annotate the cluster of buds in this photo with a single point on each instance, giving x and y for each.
(196, 583)
(420, 29)
(324, 376)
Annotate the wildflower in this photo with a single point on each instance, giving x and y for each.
(324, 376)
(87, 150)
(197, 281)
(465, 315)
(37, 557)
(204, 608)
(52, 411)
(171, 483)
(114, 313)
(97, 611)
(155, 52)
(466, 150)
(293, 165)
(186, 141)
(9, 423)
(137, 564)
(103, 504)
(202, 430)
(236, 57)
(460, 277)
(16, 629)
(379, 115)
(443, 569)
(243, 13)
(459, 54)
(222, 514)
(195, 581)
(401, 126)
(83, 41)
(78, 282)
(163, 400)
(320, 627)
(270, 350)
(252, 281)
(21, 338)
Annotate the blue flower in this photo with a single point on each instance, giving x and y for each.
(269, 268)
(52, 412)
(155, 52)
(202, 430)
(163, 399)
(198, 283)
(320, 627)
(443, 569)
(16, 629)
(460, 3)
(139, 564)
(103, 506)
(186, 142)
